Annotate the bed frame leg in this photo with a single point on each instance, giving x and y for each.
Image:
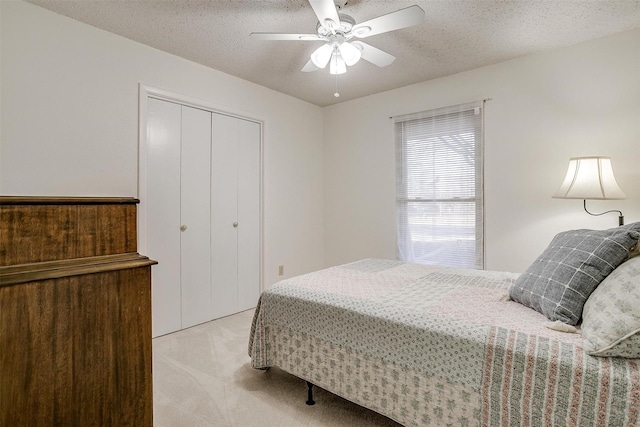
(310, 394)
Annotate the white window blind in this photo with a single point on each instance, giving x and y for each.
(439, 197)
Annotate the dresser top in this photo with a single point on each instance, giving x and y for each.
(63, 200)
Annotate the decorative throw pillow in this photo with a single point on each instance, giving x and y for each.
(559, 282)
(611, 316)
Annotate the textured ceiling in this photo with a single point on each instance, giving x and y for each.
(456, 36)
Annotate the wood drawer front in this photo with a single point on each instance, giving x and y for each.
(77, 350)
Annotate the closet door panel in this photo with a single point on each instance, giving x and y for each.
(224, 202)
(195, 216)
(163, 212)
(248, 214)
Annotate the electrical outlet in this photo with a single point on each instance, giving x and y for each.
(280, 270)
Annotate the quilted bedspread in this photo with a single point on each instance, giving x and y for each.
(437, 346)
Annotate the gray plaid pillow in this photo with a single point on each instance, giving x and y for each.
(559, 282)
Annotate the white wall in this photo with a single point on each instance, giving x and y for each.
(69, 124)
(577, 101)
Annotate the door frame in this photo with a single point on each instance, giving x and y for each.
(144, 93)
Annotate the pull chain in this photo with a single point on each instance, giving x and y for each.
(336, 94)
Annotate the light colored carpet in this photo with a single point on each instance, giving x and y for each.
(202, 377)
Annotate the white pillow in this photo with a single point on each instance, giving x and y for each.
(611, 316)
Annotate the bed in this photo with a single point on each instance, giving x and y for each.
(438, 346)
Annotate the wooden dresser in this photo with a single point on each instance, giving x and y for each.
(75, 314)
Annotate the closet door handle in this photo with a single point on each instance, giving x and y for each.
(183, 227)
(235, 225)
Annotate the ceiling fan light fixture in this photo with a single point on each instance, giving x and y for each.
(337, 65)
(321, 56)
(349, 53)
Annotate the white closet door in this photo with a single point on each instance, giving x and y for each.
(163, 212)
(195, 216)
(203, 214)
(248, 214)
(224, 214)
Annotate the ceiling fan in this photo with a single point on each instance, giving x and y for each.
(339, 31)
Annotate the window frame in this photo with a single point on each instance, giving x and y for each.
(404, 246)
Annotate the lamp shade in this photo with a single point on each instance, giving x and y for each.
(337, 64)
(590, 178)
(349, 53)
(321, 56)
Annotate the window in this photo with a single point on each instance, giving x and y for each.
(439, 200)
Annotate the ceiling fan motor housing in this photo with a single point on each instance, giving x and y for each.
(327, 29)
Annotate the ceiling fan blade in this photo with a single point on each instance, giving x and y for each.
(309, 66)
(374, 55)
(279, 36)
(325, 10)
(402, 18)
